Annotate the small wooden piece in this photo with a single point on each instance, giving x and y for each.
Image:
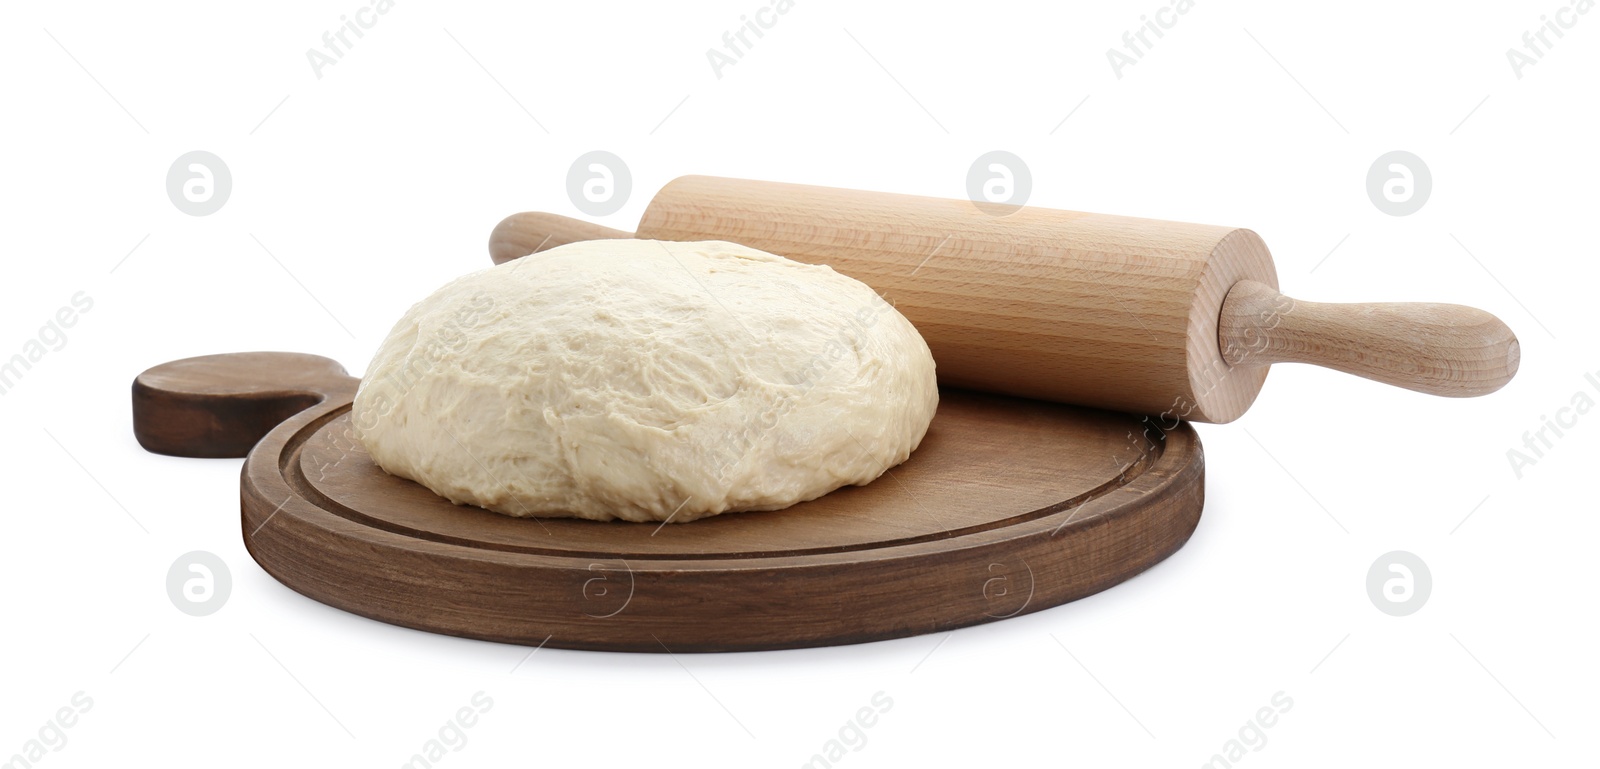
(1089, 309)
(1008, 507)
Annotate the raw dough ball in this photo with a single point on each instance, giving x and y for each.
(647, 381)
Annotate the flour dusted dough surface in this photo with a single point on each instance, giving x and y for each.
(646, 381)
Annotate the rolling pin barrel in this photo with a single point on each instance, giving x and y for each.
(1137, 315)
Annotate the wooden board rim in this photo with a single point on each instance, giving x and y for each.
(274, 515)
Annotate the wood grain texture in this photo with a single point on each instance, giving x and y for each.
(1090, 309)
(1439, 349)
(1008, 507)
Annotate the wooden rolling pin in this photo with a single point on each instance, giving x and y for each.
(1138, 315)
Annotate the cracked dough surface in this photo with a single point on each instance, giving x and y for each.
(646, 381)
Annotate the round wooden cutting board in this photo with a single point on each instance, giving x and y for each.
(1008, 507)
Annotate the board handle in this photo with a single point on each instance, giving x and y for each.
(1439, 349)
(221, 405)
(518, 235)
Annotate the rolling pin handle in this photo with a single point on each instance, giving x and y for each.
(1439, 349)
(518, 235)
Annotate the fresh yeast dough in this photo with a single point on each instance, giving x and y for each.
(647, 381)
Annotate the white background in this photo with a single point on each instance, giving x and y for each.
(376, 183)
